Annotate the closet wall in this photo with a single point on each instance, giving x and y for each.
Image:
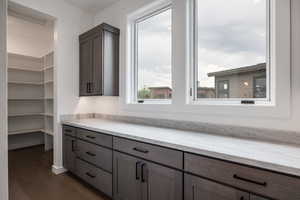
(30, 83)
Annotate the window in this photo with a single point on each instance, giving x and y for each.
(231, 42)
(259, 87)
(152, 43)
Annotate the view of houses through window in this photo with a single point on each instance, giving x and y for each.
(231, 49)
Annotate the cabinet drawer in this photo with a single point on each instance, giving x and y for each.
(158, 154)
(255, 180)
(94, 137)
(99, 156)
(69, 130)
(96, 177)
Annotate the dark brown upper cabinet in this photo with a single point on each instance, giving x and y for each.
(99, 61)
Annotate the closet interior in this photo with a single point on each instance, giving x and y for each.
(30, 79)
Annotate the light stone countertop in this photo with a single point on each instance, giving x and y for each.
(276, 157)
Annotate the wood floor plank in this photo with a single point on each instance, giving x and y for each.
(30, 178)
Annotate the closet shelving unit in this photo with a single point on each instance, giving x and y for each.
(30, 96)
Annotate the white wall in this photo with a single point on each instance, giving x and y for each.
(30, 39)
(113, 105)
(3, 104)
(70, 22)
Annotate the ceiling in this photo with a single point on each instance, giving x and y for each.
(92, 5)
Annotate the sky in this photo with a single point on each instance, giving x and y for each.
(231, 35)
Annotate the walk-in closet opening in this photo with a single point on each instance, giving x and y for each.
(30, 64)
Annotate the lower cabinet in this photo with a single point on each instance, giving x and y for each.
(136, 179)
(69, 145)
(196, 188)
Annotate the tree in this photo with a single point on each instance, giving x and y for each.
(144, 93)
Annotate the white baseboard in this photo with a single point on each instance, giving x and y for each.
(58, 170)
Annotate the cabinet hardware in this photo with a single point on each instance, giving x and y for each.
(90, 137)
(90, 175)
(68, 131)
(91, 87)
(90, 154)
(249, 180)
(138, 170)
(144, 173)
(87, 88)
(140, 150)
(73, 146)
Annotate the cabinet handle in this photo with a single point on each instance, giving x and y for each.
(90, 154)
(140, 150)
(249, 180)
(73, 145)
(91, 87)
(138, 170)
(144, 173)
(68, 130)
(90, 137)
(90, 175)
(87, 88)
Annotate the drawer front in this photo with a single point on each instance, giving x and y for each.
(94, 137)
(69, 130)
(98, 178)
(258, 181)
(161, 155)
(97, 155)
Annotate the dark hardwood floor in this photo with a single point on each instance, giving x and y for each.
(31, 178)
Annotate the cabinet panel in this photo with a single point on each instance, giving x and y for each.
(161, 183)
(95, 137)
(69, 146)
(98, 178)
(86, 67)
(255, 180)
(158, 154)
(200, 189)
(99, 156)
(126, 181)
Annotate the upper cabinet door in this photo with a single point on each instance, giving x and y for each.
(86, 67)
(99, 61)
(201, 189)
(160, 183)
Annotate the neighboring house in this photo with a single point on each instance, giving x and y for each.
(206, 92)
(160, 92)
(243, 82)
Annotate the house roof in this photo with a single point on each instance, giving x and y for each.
(240, 70)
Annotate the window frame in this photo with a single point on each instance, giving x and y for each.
(144, 15)
(193, 48)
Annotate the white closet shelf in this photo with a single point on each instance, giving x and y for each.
(48, 68)
(48, 82)
(48, 114)
(26, 99)
(25, 131)
(25, 83)
(24, 69)
(49, 132)
(25, 114)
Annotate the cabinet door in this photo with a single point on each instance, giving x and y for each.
(127, 185)
(254, 197)
(201, 189)
(160, 183)
(97, 83)
(86, 67)
(69, 153)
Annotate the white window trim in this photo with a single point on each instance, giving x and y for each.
(141, 15)
(280, 107)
